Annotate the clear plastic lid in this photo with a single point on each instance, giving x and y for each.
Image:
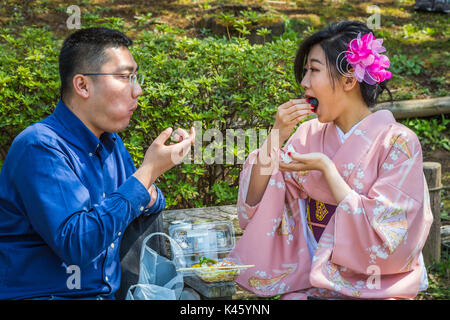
(203, 237)
(205, 248)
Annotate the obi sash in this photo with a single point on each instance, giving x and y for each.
(318, 215)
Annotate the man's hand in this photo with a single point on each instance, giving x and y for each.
(160, 157)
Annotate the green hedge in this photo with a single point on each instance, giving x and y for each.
(211, 82)
(29, 79)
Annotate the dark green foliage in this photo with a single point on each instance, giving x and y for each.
(217, 84)
(29, 79)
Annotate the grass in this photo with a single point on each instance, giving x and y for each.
(438, 279)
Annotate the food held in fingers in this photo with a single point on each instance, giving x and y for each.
(285, 156)
(314, 103)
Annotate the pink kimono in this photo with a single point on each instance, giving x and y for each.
(371, 246)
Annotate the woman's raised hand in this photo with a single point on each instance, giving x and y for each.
(289, 114)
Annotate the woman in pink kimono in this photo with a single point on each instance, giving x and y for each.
(342, 210)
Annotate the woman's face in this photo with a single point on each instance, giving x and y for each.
(318, 84)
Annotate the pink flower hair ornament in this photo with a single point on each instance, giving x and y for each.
(364, 57)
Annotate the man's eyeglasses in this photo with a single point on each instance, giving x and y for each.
(133, 78)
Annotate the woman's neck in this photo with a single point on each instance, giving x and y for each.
(351, 117)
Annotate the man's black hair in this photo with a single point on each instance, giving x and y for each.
(84, 51)
(334, 40)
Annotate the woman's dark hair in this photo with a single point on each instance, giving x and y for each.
(334, 40)
(84, 51)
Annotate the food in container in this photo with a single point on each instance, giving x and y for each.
(206, 247)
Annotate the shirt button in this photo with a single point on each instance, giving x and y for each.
(119, 234)
(141, 208)
(106, 278)
(90, 154)
(112, 245)
(104, 195)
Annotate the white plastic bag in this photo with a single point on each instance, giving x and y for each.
(158, 276)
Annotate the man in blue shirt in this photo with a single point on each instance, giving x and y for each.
(68, 187)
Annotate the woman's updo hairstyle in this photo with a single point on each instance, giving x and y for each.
(334, 40)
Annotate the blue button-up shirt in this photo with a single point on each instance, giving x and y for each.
(66, 198)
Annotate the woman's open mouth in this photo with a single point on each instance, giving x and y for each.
(314, 103)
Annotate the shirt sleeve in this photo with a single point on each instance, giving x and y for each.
(160, 202)
(59, 208)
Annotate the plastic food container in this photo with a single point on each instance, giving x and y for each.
(205, 247)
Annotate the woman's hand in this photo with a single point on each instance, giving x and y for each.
(319, 161)
(289, 114)
(308, 161)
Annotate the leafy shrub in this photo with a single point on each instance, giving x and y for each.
(400, 64)
(429, 131)
(211, 81)
(29, 80)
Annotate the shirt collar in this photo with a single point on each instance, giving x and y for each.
(77, 132)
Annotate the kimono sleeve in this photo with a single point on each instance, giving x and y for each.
(245, 211)
(388, 226)
(287, 186)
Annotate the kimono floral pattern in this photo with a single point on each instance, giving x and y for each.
(381, 225)
(271, 282)
(333, 272)
(392, 223)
